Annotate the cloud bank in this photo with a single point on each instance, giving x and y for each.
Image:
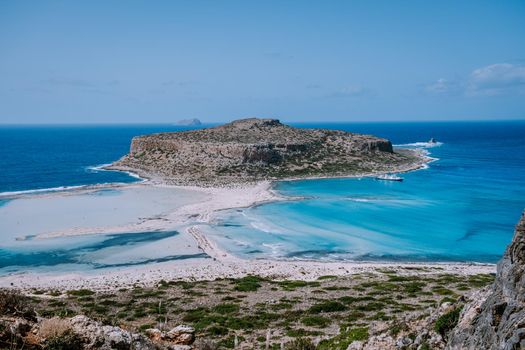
(492, 80)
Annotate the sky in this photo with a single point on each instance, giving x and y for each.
(109, 61)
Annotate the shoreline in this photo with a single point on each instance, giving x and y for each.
(421, 155)
(226, 267)
(220, 264)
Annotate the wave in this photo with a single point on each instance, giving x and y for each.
(44, 190)
(421, 144)
(276, 248)
(9, 194)
(101, 167)
(261, 227)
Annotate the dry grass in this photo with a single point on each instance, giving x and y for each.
(14, 303)
(54, 327)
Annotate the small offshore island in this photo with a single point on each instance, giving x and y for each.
(212, 299)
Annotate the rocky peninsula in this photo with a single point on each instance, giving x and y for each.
(252, 150)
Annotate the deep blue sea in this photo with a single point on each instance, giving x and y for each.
(462, 208)
(40, 157)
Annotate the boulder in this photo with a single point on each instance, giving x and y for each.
(102, 337)
(180, 335)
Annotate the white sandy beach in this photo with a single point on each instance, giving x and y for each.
(168, 207)
(127, 208)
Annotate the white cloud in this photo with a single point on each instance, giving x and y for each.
(442, 86)
(497, 79)
(491, 80)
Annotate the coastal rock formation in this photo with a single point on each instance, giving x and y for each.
(496, 318)
(256, 149)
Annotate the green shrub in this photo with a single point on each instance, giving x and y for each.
(301, 344)
(66, 341)
(217, 330)
(326, 277)
(226, 308)
(446, 322)
(327, 306)
(345, 338)
(81, 292)
(248, 284)
(316, 321)
(292, 285)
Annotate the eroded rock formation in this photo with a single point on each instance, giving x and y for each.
(496, 318)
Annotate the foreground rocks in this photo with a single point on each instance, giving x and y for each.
(82, 333)
(259, 149)
(496, 318)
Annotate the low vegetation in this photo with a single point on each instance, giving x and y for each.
(254, 312)
(446, 322)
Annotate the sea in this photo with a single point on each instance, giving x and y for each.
(462, 207)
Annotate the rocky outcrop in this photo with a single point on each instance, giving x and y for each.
(256, 149)
(83, 333)
(97, 336)
(496, 318)
(180, 335)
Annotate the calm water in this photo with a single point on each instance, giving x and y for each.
(92, 251)
(41, 157)
(462, 208)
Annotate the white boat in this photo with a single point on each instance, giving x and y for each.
(389, 177)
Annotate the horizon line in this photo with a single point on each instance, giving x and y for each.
(174, 123)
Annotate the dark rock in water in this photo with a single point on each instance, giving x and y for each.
(496, 319)
(189, 122)
(259, 149)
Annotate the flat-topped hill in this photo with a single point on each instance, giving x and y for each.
(259, 149)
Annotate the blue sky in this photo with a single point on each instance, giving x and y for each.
(159, 61)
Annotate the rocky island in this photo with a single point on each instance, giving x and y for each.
(251, 150)
(189, 122)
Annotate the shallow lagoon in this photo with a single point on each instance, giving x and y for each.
(462, 208)
(32, 215)
(97, 252)
(23, 218)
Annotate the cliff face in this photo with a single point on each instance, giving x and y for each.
(496, 320)
(254, 149)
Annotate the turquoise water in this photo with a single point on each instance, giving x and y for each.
(462, 208)
(86, 252)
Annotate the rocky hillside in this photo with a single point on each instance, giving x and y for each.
(495, 319)
(256, 149)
